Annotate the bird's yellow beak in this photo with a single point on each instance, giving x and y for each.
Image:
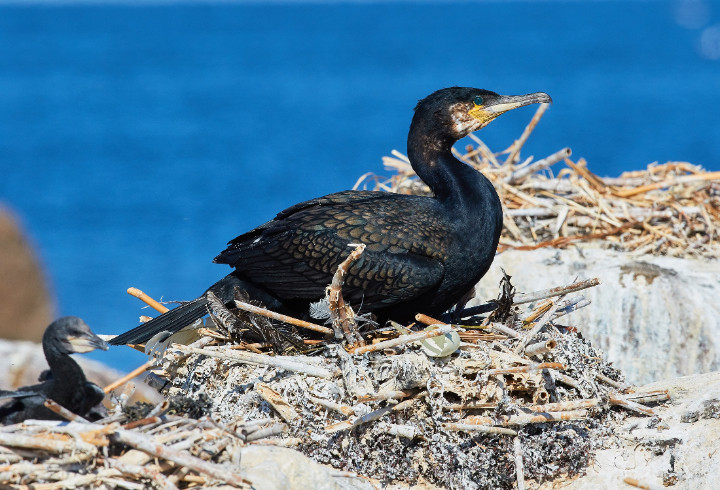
(487, 112)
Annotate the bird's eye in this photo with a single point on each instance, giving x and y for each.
(478, 100)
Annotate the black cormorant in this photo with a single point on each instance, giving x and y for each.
(423, 253)
(66, 383)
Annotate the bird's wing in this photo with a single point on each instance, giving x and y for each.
(343, 198)
(24, 392)
(295, 255)
(21, 405)
(93, 396)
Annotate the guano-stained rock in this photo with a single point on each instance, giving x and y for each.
(655, 317)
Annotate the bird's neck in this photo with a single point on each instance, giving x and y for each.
(452, 182)
(62, 366)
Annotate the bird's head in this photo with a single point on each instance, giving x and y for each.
(459, 111)
(70, 334)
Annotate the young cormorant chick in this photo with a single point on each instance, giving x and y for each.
(66, 383)
(423, 253)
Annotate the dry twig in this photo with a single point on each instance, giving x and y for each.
(283, 318)
(342, 315)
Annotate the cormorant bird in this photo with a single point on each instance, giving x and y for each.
(423, 253)
(66, 383)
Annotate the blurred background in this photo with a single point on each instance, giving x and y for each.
(136, 139)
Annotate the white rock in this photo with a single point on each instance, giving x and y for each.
(655, 317)
(675, 448)
(279, 468)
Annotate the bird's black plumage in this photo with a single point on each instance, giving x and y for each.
(423, 253)
(66, 383)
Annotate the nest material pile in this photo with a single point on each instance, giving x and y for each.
(484, 402)
(159, 451)
(501, 398)
(669, 209)
(522, 396)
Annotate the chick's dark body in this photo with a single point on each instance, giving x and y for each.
(65, 382)
(67, 386)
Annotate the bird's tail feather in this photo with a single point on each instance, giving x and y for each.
(171, 321)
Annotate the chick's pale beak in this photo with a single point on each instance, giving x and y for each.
(87, 343)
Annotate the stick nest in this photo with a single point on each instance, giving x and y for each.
(482, 402)
(399, 415)
(521, 390)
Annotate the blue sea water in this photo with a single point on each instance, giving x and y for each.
(136, 140)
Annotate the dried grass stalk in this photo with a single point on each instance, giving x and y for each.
(519, 467)
(283, 318)
(405, 339)
(180, 458)
(147, 300)
(276, 400)
(274, 361)
(525, 419)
